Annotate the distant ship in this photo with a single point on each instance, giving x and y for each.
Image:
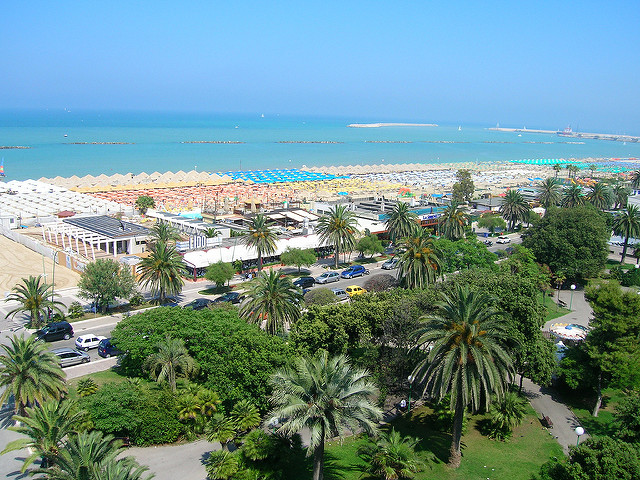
(567, 132)
(459, 128)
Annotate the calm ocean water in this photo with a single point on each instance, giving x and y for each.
(154, 142)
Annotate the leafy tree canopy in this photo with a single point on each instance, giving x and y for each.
(219, 273)
(463, 189)
(105, 280)
(144, 203)
(369, 245)
(298, 257)
(492, 221)
(463, 254)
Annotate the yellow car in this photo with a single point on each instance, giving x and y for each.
(354, 290)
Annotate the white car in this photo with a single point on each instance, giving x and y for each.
(503, 239)
(87, 342)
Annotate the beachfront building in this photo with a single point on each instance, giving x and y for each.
(100, 234)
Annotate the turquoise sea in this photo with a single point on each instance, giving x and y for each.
(154, 142)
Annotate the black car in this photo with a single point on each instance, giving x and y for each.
(55, 331)
(305, 282)
(198, 304)
(488, 243)
(106, 349)
(232, 297)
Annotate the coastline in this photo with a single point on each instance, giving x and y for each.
(572, 134)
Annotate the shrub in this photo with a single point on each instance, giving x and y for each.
(320, 296)
(136, 299)
(380, 282)
(75, 310)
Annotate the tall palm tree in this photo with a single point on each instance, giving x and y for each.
(468, 359)
(514, 208)
(557, 168)
(391, 457)
(325, 395)
(635, 180)
(572, 197)
(338, 227)
(35, 297)
(45, 426)
(170, 361)
(164, 232)
(401, 221)
(620, 196)
(29, 372)
(162, 270)
(600, 196)
(627, 225)
(549, 192)
(274, 300)
(419, 263)
(260, 236)
(453, 220)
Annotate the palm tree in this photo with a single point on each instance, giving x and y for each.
(273, 299)
(514, 208)
(549, 192)
(171, 360)
(325, 395)
(45, 426)
(401, 221)
(391, 457)
(599, 196)
(453, 220)
(557, 168)
(338, 227)
(573, 197)
(164, 232)
(245, 416)
(29, 372)
(221, 429)
(507, 413)
(468, 360)
(635, 180)
(620, 196)
(211, 233)
(222, 465)
(197, 407)
(627, 225)
(162, 270)
(260, 236)
(419, 263)
(35, 297)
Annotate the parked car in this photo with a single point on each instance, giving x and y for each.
(503, 239)
(354, 271)
(354, 290)
(391, 263)
(231, 297)
(328, 277)
(488, 243)
(88, 341)
(55, 331)
(305, 282)
(340, 294)
(106, 349)
(198, 304)
(69, 357)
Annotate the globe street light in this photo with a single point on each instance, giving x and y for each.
(579, 432)
(573, 287)
(273, 423)
(411, 378)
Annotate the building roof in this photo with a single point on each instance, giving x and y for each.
(108, 226)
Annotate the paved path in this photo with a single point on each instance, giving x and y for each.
(171, 462)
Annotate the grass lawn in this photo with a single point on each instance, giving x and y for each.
(554, 311)
(603, 424)
(520, 457)
(613, 263)
(106, 376)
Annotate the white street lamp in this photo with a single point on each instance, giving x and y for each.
(411, 378)
(573, 287)
(579, 432)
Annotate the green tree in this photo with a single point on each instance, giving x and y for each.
(260, 236)
(401, 221)
(391, 457)
(369, 245)
(419, 263)
(211, 232)
(491, 221)
(463, 189)
(86, 386)
(453, 221)
(514, 208)
(162, 270)
(549, 192)
(274, 300)
(219, 273)
(338, 227)
(571, 241)
(144, 203)
(29, 372)
(468, 361)
(600, 196)
(507, 413)
(573, 197)
(463, 254)
(221, 429)
(320, 296)
(299, 257)
(35, 297)
(222, 465)
(105, 280)
(627, 416)
(44, 428)
(325, 395)
(557, 168)
(163, 232)
(627, 225)
(196, 406)
(245, 416)
(635, 179)
(620, 196)
(170, 361)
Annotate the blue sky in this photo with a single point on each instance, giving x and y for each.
(535, 64)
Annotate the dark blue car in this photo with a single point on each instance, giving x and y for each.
(106, 349)
(354, 271)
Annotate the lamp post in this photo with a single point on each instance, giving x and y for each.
(411, 378)
(573, 287)
(579, 432)
(273, 423)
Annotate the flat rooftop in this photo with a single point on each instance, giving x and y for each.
(108, 226)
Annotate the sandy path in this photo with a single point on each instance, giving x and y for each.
(17, 262)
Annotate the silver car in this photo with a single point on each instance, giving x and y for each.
(340, 294)
(328, 277)
(69, 357)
